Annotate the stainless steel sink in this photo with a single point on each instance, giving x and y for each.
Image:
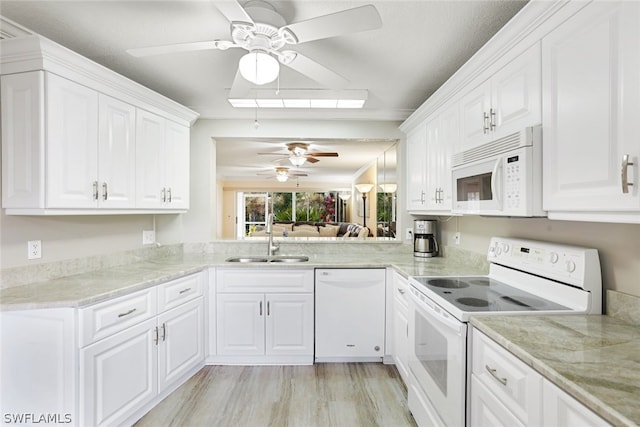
(285, 258)
(247, 259)
(282, 258)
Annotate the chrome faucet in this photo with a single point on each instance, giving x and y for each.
(272, 248)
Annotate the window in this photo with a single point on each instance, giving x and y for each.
(286, 206)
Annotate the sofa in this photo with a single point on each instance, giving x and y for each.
(314, 229)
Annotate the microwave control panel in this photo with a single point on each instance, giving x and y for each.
(515, 180)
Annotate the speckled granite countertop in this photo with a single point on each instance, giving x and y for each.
(88, 288)
(594, 358)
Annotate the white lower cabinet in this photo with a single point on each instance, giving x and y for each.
(122, 373)
(267, 327)
(107, 363)
(401, 326)
(507, 392)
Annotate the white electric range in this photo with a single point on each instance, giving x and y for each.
(525, 277)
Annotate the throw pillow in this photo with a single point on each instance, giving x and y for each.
(328, 231)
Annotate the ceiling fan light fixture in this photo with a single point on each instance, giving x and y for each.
(297, 160)
(282, 174)
(259, 67)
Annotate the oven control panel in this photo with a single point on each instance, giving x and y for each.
(569, 264)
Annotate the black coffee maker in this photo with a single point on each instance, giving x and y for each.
(424, 239)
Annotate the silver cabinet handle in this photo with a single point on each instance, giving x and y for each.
(485, 122)
(402, 291)
(163, 195)
(127, 313)
(422, 194)
(624, 173)
(169, 194)
(164, 332)
(105, 192)
(492, 121)
(260, 308)
(268, 308)
(184, 290)
(95, 190)
(494, 374)
(157, 338)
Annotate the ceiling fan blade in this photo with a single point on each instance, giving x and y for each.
(354, 20)
(240, 87)
(320, 154)
(297, 174)
(317, 72)
(174, 48)
(232, 10)
(312, 159)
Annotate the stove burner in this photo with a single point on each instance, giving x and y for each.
(524, 301)
(473, 302)
(447, 283)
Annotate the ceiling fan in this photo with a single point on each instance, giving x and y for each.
(299, 154)
(263, 32)
(282, 174)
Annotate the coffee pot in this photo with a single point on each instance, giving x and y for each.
(425, 244)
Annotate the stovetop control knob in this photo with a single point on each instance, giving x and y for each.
(570, 266)
(505, 247)
(498, 250)
(553, 257)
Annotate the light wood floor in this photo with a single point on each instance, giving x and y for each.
(325, 394)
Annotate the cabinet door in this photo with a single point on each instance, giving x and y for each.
(72, 144)
(23, 140)
(431, 165)
(416, 168)
(116, 153)
(150, 160)
(448, 144)
(474, 120)
(177, 166)
(517, 94)
(591, 109)
(401, 342)
(562, 410)
(289, 324)
(240, 324)
(181, 346)
(487, 410)
(118, 375)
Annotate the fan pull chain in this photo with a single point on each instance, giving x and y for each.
(256, 124)
(278, 85)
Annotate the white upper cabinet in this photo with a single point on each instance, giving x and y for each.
(443, 137)
(162, 154)
(429, 149)
(416, 168)
(590, 114)
(116, 153)
(70, 137)
(505, 103)
(71, 133)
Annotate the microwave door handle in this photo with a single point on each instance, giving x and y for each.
(495, 182)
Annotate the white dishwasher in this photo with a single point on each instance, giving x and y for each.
(350, 314)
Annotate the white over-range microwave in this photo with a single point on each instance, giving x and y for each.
(500, 178)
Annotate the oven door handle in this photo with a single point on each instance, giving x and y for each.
(449, 322)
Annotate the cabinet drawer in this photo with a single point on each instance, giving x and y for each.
(262, 281)
(176, 292)
(514, 383)
(101, 320)
(400, 289)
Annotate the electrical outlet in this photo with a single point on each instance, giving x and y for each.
(148, 237)
(34, 249)
(409, 234)
(457, 237)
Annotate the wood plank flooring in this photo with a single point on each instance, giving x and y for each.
(322, 395)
